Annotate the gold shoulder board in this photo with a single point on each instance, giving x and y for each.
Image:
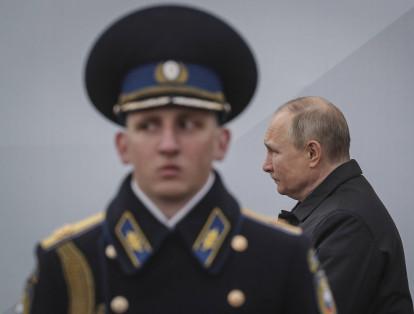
(70, 230)
(284, 226)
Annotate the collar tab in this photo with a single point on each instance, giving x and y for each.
(133, 239)
(211, 237)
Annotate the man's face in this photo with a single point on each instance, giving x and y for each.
(287, 165)
(172, 150)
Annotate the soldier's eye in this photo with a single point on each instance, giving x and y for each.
(147, 125)
(189, 124)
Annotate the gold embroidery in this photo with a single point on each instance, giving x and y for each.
(168, 89)
(133, 241)
(174, 100)
(272, 221)
(26, 304)
(79, 279)
(212, 238)
(71, 230)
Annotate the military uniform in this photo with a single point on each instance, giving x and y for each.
(216, 260)
(357, 243)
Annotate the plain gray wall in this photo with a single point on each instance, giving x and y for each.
(57, 158)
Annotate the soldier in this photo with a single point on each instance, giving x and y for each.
(173, 239)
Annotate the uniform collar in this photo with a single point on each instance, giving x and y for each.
(206, 230)
(341, 174)
(157, 213)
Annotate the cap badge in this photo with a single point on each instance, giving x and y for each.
(171, 72)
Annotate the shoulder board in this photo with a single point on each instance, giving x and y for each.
(70, 230)
(288, 227)
(257, 216)
(279, 224)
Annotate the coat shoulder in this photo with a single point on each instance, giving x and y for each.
(71, 231)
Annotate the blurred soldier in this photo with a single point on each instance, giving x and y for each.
(355, 238)
(174, 240)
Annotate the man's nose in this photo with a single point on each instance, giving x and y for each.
(169, 141)
(267, 164)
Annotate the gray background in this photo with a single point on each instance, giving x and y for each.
(57, 157)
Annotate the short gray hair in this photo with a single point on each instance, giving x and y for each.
(315, 118)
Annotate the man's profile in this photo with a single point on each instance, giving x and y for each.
(353, 234)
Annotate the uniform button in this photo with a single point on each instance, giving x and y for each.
(236, 298)
(110, 252)
(119, 304)
(239, 243)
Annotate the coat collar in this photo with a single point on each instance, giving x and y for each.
(302, 210)
(206, 231)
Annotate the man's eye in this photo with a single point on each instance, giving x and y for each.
(188, 124)
(146, 126)
(272, 151)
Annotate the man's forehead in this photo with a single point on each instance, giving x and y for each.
(278, 127)
(280, 121)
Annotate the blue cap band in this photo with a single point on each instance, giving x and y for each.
(171, 83)
(171, 78)
(153, 74)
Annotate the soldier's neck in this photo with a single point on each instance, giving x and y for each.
(169, 209)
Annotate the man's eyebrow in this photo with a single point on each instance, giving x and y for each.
(148, 116)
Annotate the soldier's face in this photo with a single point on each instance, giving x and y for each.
(172, 150)
(287, 165)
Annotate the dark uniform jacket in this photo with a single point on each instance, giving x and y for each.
(216, 260)
(357, 243)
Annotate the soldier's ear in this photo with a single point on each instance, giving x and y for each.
(222, 143)
(314, 153)
(121, 143)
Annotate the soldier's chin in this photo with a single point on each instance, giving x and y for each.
(173, 192)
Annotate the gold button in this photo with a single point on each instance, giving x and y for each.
(239, 243)
(110, 251)
(236, 298)
(119, 304)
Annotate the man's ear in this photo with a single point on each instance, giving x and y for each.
(314, 153)
(222, 145)
(121, 143)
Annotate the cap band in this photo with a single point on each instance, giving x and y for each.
(171, 100)
(171, 82)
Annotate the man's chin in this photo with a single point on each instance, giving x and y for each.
(281, 190)
(173, 191)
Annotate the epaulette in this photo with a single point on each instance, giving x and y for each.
(70, 230)
(284, 226)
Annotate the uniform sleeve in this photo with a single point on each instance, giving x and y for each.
(307, 289)
(351, 260)
(46, 290)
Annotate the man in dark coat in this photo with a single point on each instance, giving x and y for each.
(174, 240)
(354, 236)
